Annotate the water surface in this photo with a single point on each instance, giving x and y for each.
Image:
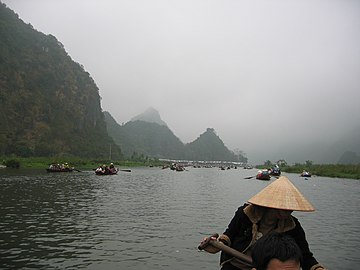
(153, 218)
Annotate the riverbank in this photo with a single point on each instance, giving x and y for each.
(78, 163)
(328, 170)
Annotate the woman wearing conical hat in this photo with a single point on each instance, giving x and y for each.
(268, 211)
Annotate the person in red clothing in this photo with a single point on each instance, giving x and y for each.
(268, 211)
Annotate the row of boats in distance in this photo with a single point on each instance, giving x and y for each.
(101, 170)
(266, 174)
(263, 174)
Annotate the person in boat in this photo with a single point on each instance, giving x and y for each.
(102, 169)
(112, 168)
(99, 169)
(276, 251)
(105, 169)
(269, 210)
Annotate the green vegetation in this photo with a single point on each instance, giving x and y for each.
(49, 105)
(149, 139)
(350, 171)
(328, 170)
(79, 163)
(208, 146)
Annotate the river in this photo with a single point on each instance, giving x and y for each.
(154, 219)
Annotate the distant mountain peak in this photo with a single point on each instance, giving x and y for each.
(151, 115)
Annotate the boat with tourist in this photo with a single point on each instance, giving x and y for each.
(55, 167)
(305, 174)
(106, 170)
(275, 171)
(263, 175)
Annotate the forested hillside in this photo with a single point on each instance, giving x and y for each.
(155, 140)
(49, 105)
(145, 138)
(208, 146)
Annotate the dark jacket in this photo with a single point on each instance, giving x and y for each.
(240, 232)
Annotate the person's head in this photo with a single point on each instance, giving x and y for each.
(283, 195)
(278, 213)
(276, 251)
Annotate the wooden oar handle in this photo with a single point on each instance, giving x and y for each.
(220, 245)
(206, 241)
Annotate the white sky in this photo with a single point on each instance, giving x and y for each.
(264, 74)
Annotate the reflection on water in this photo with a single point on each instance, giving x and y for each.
(152, 218)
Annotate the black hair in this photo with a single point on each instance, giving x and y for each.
(274, 246)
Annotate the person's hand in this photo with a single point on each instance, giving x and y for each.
(210, 248)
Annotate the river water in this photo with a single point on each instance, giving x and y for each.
(153, 218)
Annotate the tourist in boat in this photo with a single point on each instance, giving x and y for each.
(102, 169)
(269, 210)
(112, 168)
(276, 251)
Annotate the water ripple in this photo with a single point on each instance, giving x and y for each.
(154, 219)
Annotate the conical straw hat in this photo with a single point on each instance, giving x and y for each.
(282, 194)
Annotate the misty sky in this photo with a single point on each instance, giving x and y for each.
(263, 74)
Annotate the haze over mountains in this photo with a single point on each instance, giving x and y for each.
(345, 150)
(147, 134)
(150, 115)
(51, 106)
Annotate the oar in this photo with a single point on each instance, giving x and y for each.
(76, 170)
(125, 170)
(249, 177)
(220, 245)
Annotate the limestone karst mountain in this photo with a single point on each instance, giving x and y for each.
(145, 135)
(49, 105)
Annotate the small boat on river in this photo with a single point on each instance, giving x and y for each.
(275, 171)
(263, 175)
(60, 168)
(106, 170)
(305, 174)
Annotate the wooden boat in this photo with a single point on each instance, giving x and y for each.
(275, 171)
(177, 167)
(106, 171)
(59, 168)
(305, 174)
(180, 169)
(263, 175)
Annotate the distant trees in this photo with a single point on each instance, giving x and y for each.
(267, 163)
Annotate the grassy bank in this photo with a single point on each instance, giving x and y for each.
(79, 163)
(328, 170)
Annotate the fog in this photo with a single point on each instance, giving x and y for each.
(268, 76)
